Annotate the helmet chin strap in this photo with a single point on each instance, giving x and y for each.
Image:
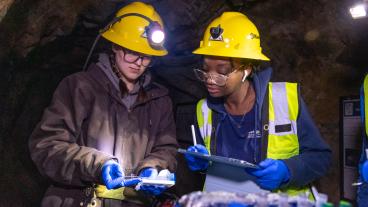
(244, 76)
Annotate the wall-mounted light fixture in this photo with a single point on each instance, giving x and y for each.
(359, 10)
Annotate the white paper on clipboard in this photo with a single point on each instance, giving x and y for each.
(223, 177)
(147, 181)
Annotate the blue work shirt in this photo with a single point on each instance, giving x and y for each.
(237, 137)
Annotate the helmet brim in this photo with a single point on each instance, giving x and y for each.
(135, 46)
(230, 53)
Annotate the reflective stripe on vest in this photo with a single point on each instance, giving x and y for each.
(283, 112)
(365, 89)
(204, 119)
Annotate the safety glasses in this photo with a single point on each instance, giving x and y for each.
(132, 57)
(217, 79)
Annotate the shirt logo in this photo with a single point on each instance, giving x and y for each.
(252, 135)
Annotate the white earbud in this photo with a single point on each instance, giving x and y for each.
(244, 76)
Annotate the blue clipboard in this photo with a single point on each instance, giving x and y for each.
(220, 159)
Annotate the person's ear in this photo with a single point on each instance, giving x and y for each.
(114, 48)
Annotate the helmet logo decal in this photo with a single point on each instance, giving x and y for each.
(252, 36)
(144, 34)
(216, 33)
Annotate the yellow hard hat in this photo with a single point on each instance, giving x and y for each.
(232, 35)
(131, 26)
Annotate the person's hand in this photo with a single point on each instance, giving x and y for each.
(365, 171)
(151, 173)
(113, 176)
(272, 174)
(195, 163)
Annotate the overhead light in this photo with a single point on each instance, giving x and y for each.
(358, 11)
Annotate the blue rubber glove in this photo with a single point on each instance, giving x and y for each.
(365, 171)
(113, 176)
(151, 189)
(236, 204)
(272, 174)
(149, 173)
(195, 163)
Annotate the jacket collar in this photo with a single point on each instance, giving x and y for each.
(260, 83)
(153, 90)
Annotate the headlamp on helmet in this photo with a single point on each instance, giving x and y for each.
(153, 32)
(155, 35)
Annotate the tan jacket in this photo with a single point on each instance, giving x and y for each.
(87, 124)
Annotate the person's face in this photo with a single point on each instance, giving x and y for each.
(222, 77)
(130, 64)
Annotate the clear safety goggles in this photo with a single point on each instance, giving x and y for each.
(217, 79)
(133, 57)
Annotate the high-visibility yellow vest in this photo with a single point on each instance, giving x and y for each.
(283, 140)
(365, 91)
